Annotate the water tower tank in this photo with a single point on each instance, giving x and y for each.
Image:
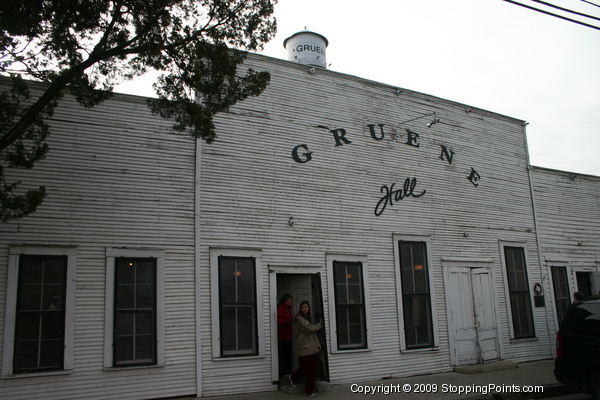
(307, 48)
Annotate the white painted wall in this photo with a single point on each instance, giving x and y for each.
(568, 213)
(117, 177)
(252, 185)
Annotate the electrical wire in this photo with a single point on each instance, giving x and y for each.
(566, 9)
(554, 15)
(589, 2)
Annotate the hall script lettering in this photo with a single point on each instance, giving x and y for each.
(301, 154)
(391, 195)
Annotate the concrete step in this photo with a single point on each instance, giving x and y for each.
(490, 367)
(320, 386)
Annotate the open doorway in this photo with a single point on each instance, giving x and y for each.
(584, 283)
(303, 286)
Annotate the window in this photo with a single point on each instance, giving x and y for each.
(237, 306)
(518, 287)
(416, 297)
(562, 298)
(350, 305)
(40, 317)
(135, 311)
(39, 323)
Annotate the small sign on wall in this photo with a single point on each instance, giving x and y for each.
(538, 295)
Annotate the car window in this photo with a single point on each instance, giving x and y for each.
(584, 319)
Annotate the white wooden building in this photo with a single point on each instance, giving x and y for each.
(568, 214)
(121, 190)
(414, 225)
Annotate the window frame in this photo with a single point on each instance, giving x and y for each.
(236, 305)
(569, 299)
(42, 316)
(349, 259)
(347, 306)
(523, 246)
(15, 253)
(426, 240)
(112, 254)
(135, 311)
(215, 254)
(417, 246)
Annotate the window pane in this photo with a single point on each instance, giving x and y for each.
(135, 308)
(245, 288)
(228, 329)
(354, 294)
(28, 326)
(124, 352)
(144, 296)
(350, 309)
(144, 347)
(52, 326)
(227, 280)
(125, 296)
(144, 323)
(416, 298)
(30, 297)
(124, 323)
(52, 297)
(417, 321)
(31, 269)
(342, 328)
(517, 275)
(521, 313)
(341, 293)
(518, 286)
(562, 296)
(239, 331)
(51, 353)
(245, 323)
(414, 270)
(125, 273)
(144, 272)
(26, 355)
(355, 326)
(54, 271)
(237, 295)
(39, 330)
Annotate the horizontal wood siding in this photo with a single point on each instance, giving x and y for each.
(251, 186)
(568, 211)
(568, 214)
(116, 176)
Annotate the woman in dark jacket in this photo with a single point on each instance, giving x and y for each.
(307, 347)
(285, 335)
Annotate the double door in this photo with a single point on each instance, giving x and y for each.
(472, 315)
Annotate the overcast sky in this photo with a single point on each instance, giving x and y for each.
(488, 54)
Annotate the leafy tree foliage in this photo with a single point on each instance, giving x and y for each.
(88, 47)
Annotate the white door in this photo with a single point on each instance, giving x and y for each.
(472, 317)
(485, 314)
(461, 318)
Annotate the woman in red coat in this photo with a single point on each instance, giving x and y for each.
(285, 321)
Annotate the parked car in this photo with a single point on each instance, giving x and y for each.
(577, 360)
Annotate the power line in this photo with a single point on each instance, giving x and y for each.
(566, 9)
(554, 15)
(589, 2)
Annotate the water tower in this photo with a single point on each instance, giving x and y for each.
(307, 48)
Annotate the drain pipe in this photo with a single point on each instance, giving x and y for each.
(543, 269)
